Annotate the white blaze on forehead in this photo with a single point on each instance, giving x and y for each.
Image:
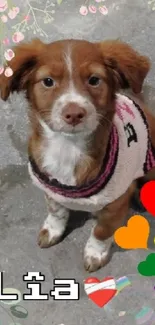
(72, 95)
(68, 60)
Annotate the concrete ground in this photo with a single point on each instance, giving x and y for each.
(22, 205)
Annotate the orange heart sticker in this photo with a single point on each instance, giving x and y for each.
(135, 235)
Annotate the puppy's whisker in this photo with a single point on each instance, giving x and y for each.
(103, 118)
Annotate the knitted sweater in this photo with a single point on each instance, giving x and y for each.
(129, 155)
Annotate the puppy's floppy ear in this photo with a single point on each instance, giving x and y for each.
(128, 66)
(23, 63)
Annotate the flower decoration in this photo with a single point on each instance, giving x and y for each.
(6, 41)
(3, 5)
(9, 55)
(8, 72)
(83, 10)
(4, 18)
(17, 37)
(13, 12)
(103, 10)
(93, 9)
(28, 22)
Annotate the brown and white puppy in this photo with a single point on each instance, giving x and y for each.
(71, 87)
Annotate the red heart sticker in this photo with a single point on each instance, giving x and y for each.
(147, 197)
(100, 292)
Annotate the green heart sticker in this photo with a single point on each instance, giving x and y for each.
(147, 267)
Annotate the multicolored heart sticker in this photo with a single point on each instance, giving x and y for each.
(100, 292)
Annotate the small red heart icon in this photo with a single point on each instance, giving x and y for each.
(147, 197)
(100, 292)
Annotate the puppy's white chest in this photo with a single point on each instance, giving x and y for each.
(60, 156)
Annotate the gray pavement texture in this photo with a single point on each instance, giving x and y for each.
(22, 206)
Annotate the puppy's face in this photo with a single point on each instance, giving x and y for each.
(72, 84)
(71, 88)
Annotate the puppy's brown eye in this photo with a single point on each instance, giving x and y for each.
(94, 81)
(48, 82)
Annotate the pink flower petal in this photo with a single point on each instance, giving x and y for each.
(103, 10)
(4, 18)
(83, 10)
(6, 41)
(8, 72)
(17, 37)
(3, 5)
(9, 54)
(12, 14)
(98, 0)
(27, 18)
(1, 69)
(16, 10)
(92, 9)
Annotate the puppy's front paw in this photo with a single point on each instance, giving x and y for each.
(48, 237)
(52, 230)
(96, 254)
(94, 260)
